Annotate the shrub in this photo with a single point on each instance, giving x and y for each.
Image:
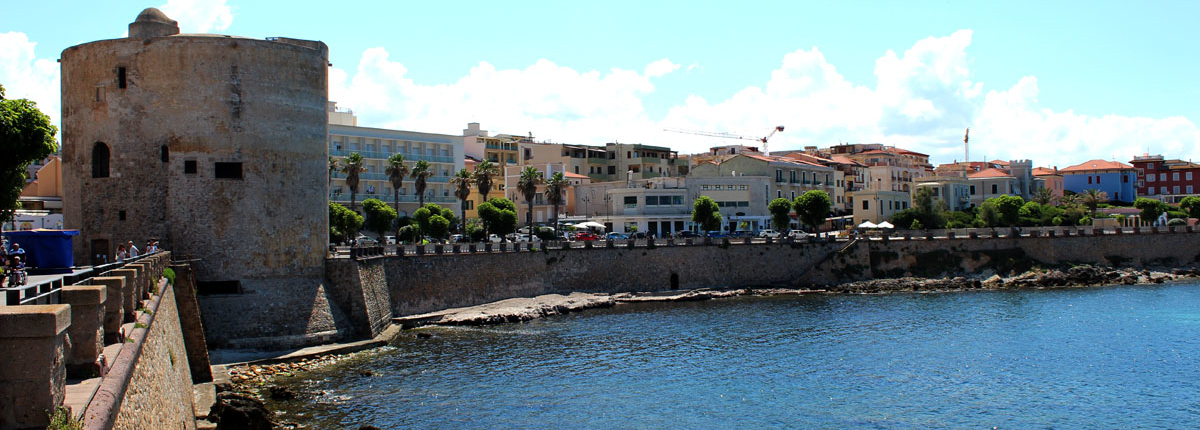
(1085, 221)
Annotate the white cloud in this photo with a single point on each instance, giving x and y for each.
(25, 76)
(921, 99)
(199, 16)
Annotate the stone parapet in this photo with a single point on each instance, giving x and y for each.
(129, 294)
(114, 306)
(87, 328)
(32, 373)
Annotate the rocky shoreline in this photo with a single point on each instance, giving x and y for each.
(1074, 277)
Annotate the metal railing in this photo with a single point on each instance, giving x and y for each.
(385, 155)
(48, 291)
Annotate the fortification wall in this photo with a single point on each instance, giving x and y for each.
(159, 394)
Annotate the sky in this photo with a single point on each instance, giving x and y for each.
(1056, 82)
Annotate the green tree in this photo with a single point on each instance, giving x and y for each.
(423, 214)
(485, 176)
(527, 186)
(421, 173)
(462, 190)
(396, 170)
(499, 216)
(989, 216)
(706, 213)
(916, 225)
(812, 207)
(1009, 208)
(1092, 199)
(1191, 204)
(959, 219)
(379, 217)
(1151, 209)
(438, 226)
(352, 167)
(905, 218)
(780, 210)
(1030, 214)
(928, 208)
(26, 136)
(1043, 196)
(343, 222)
(556, 188)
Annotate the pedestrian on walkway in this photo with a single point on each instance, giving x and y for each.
(133, 250)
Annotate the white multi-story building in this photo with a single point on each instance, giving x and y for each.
(444, 152)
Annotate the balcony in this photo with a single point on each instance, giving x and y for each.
(501, 147)
(345, 197)
(383, 177)
(385, 155)
(652, 160)
(598, 160)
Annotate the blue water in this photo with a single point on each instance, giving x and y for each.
(1120, 357)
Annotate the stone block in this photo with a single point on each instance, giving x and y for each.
(87, 325)
(33, 375)
(129, 301)
(114, 309)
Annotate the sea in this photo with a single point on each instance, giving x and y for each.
(1074, 358)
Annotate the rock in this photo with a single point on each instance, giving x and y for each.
(369, 428)
(240, 411)
(424, 335)
(281, 393)
(364, 372)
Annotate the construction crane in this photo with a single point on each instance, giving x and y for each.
(723, 135)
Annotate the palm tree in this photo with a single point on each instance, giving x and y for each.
(1043, 196)
(485, 173)
(527, 186)
(462, 183)
(1093, 198)
(556, 188)
(421, 173)
(352, 167)
(396, 171)
(333, 167)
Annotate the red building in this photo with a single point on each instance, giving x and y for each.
(1167, 180)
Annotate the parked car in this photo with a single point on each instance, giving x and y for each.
(586, 236)
(494, 238)
(389, 240)
(771, 234)
(617, 236)
(458, 238)
(742, 233)
(521, 238)
(641, 235)
(687, 234)
(717, 234)
(798, 234)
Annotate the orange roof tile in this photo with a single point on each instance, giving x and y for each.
(990, 173)
(1093, 165)
(574, 175)
(1044, 171)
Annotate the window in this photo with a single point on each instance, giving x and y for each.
(994, 188)
(705, 187)
(972, 190)
(1150, 178)
(612, 170)
(1089, 179)
(1162, 190)
(1188, 176)
(630, 200)
(678, 200)
(628, 154)
(743, 204)
(1176, 189)
(1097, 179)
(1150, 191)
(227, 170)
(1150, 165)
(166, 154)
(121, 77)
(576, 170)
(890, 205)
(778, 175)
(189, 167)
(120, 215)
(905, 205)
(612, 156)
(1162, 177)
(779, 193)
(865, 206)
(651, 200)
(1175, 176)
(793, 195)
(1189, 189)
(100, 157)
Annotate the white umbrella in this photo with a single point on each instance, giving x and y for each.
(590, 224)
(868, 224)
(885, 224)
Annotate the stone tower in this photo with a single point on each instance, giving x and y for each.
(216, 146)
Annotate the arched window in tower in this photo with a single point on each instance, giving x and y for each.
(166, 154)
(100, 157)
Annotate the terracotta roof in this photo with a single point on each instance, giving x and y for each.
(999, 162)
(1093, 165)
(876, 151)
(574, 175)
(905, 151)
(845, 160)
(1044, 171)
(990, 173)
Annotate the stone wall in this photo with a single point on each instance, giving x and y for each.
(159, 394)
(414, 285)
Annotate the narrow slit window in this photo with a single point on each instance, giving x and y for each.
(100, 155)
(226, 170)
(189, 167)
(120, 77)
(166, 154)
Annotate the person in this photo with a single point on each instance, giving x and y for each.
(121, 254)
(150, 247)
(133, 250)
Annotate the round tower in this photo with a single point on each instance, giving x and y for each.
(215, 145)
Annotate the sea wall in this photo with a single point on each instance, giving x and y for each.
(365, 289)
